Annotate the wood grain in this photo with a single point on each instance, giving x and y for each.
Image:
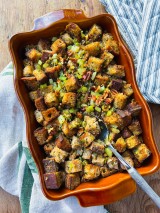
(17, 16)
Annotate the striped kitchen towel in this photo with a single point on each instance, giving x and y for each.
(139, 25)
(18, 172)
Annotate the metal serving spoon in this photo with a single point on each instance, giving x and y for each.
(132, 171)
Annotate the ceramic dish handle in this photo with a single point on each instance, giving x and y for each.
(57, 15)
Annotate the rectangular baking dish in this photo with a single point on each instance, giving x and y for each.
(104, 190)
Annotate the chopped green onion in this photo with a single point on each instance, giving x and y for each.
(45, 65)
(80, 62)
(101, 89)
(51, 81)
(108, 152)
(62, 78)
(43, 86)
(61, 119)
(89, 109)
(83, 105)
(110, 112)
(69, 47)
(72, 110)
(38, 67)
(93, 75)
(54, 38)
(54, 56)
(40, 62)
(83, 89)
(98, 109)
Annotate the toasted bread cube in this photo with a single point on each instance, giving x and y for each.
(52, 72)
(141, 152)
(74, 30)
(39, 103)
(125, 116)
(31, 83)
(120, 100)
(28, 71)
(127, 89)
(51, 99)
(76, 143)
(135, 127)
(46, 54)
(112, 46)
(129, 161)
(101, 79)
(116, 71)
(105, 171)
(116, 84)
(134, 108)
(120, 145)
(34, 95)
(98, 160)
(69, 99)
(67, 39)
(58, 46)
(53, 180)
(59, 155)
(43, 44)
(92, 125)
(40, 76)
(126, 133)
(33, 54)
(128, 153)
(113, 120)
(50, 165)
(95, 64)
(94, 33)
(49, 147)
(132, 142)
(112, 163)
(38, 116)
(91, 172)
(73, 166)
(86, 139)
(97, 147)
(71, 84)
(106, 37)
(67, 131)
(75, 123)
(63, 143)
(107, 58)
(50, 114)
(44, 90)
(87, 154)
(72, 181)
(93, 48)
(41, 135)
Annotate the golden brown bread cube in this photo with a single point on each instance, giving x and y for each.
(75, 123)
(112, 163)
(67, 131)
(53, 180)
(97, 147)
(76, 143)
(86, 139)
(67, 38)
(52, 72)
(44, 90)
(125, 116)
(63, 143)
(132, 142)
(113, 120)
(127, 89)
(120, 145)
(95, 64)
(28, 71)
(120, 100)
(51, 99)
(33, 54)
(50, 114)
(112, 46)
(93, 48)
(107, 58)
(72, 181)
(40, 104)
(135, 127)
(58, 46)
(31, 83)
(128, 153)
(91, 172)
(101, 79)
(50, 165)
(92, 125)
(141, 152)
(74, 30)
(129, 161)
(94, 33)
(38, 116)
(71, 84)
(49, 147)
(116, 71)
(34, 95)
(98, 160)
(40, 76)
(105, 171)
(73, 166)
(87, 154)
(69, 99)
(106, 37)
(41, 135)
(59, 155)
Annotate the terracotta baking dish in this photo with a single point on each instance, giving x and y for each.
(104, 190)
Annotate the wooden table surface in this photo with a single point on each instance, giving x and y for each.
(17, 16)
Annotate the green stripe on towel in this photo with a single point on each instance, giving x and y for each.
(30, 160)
(7, 73)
